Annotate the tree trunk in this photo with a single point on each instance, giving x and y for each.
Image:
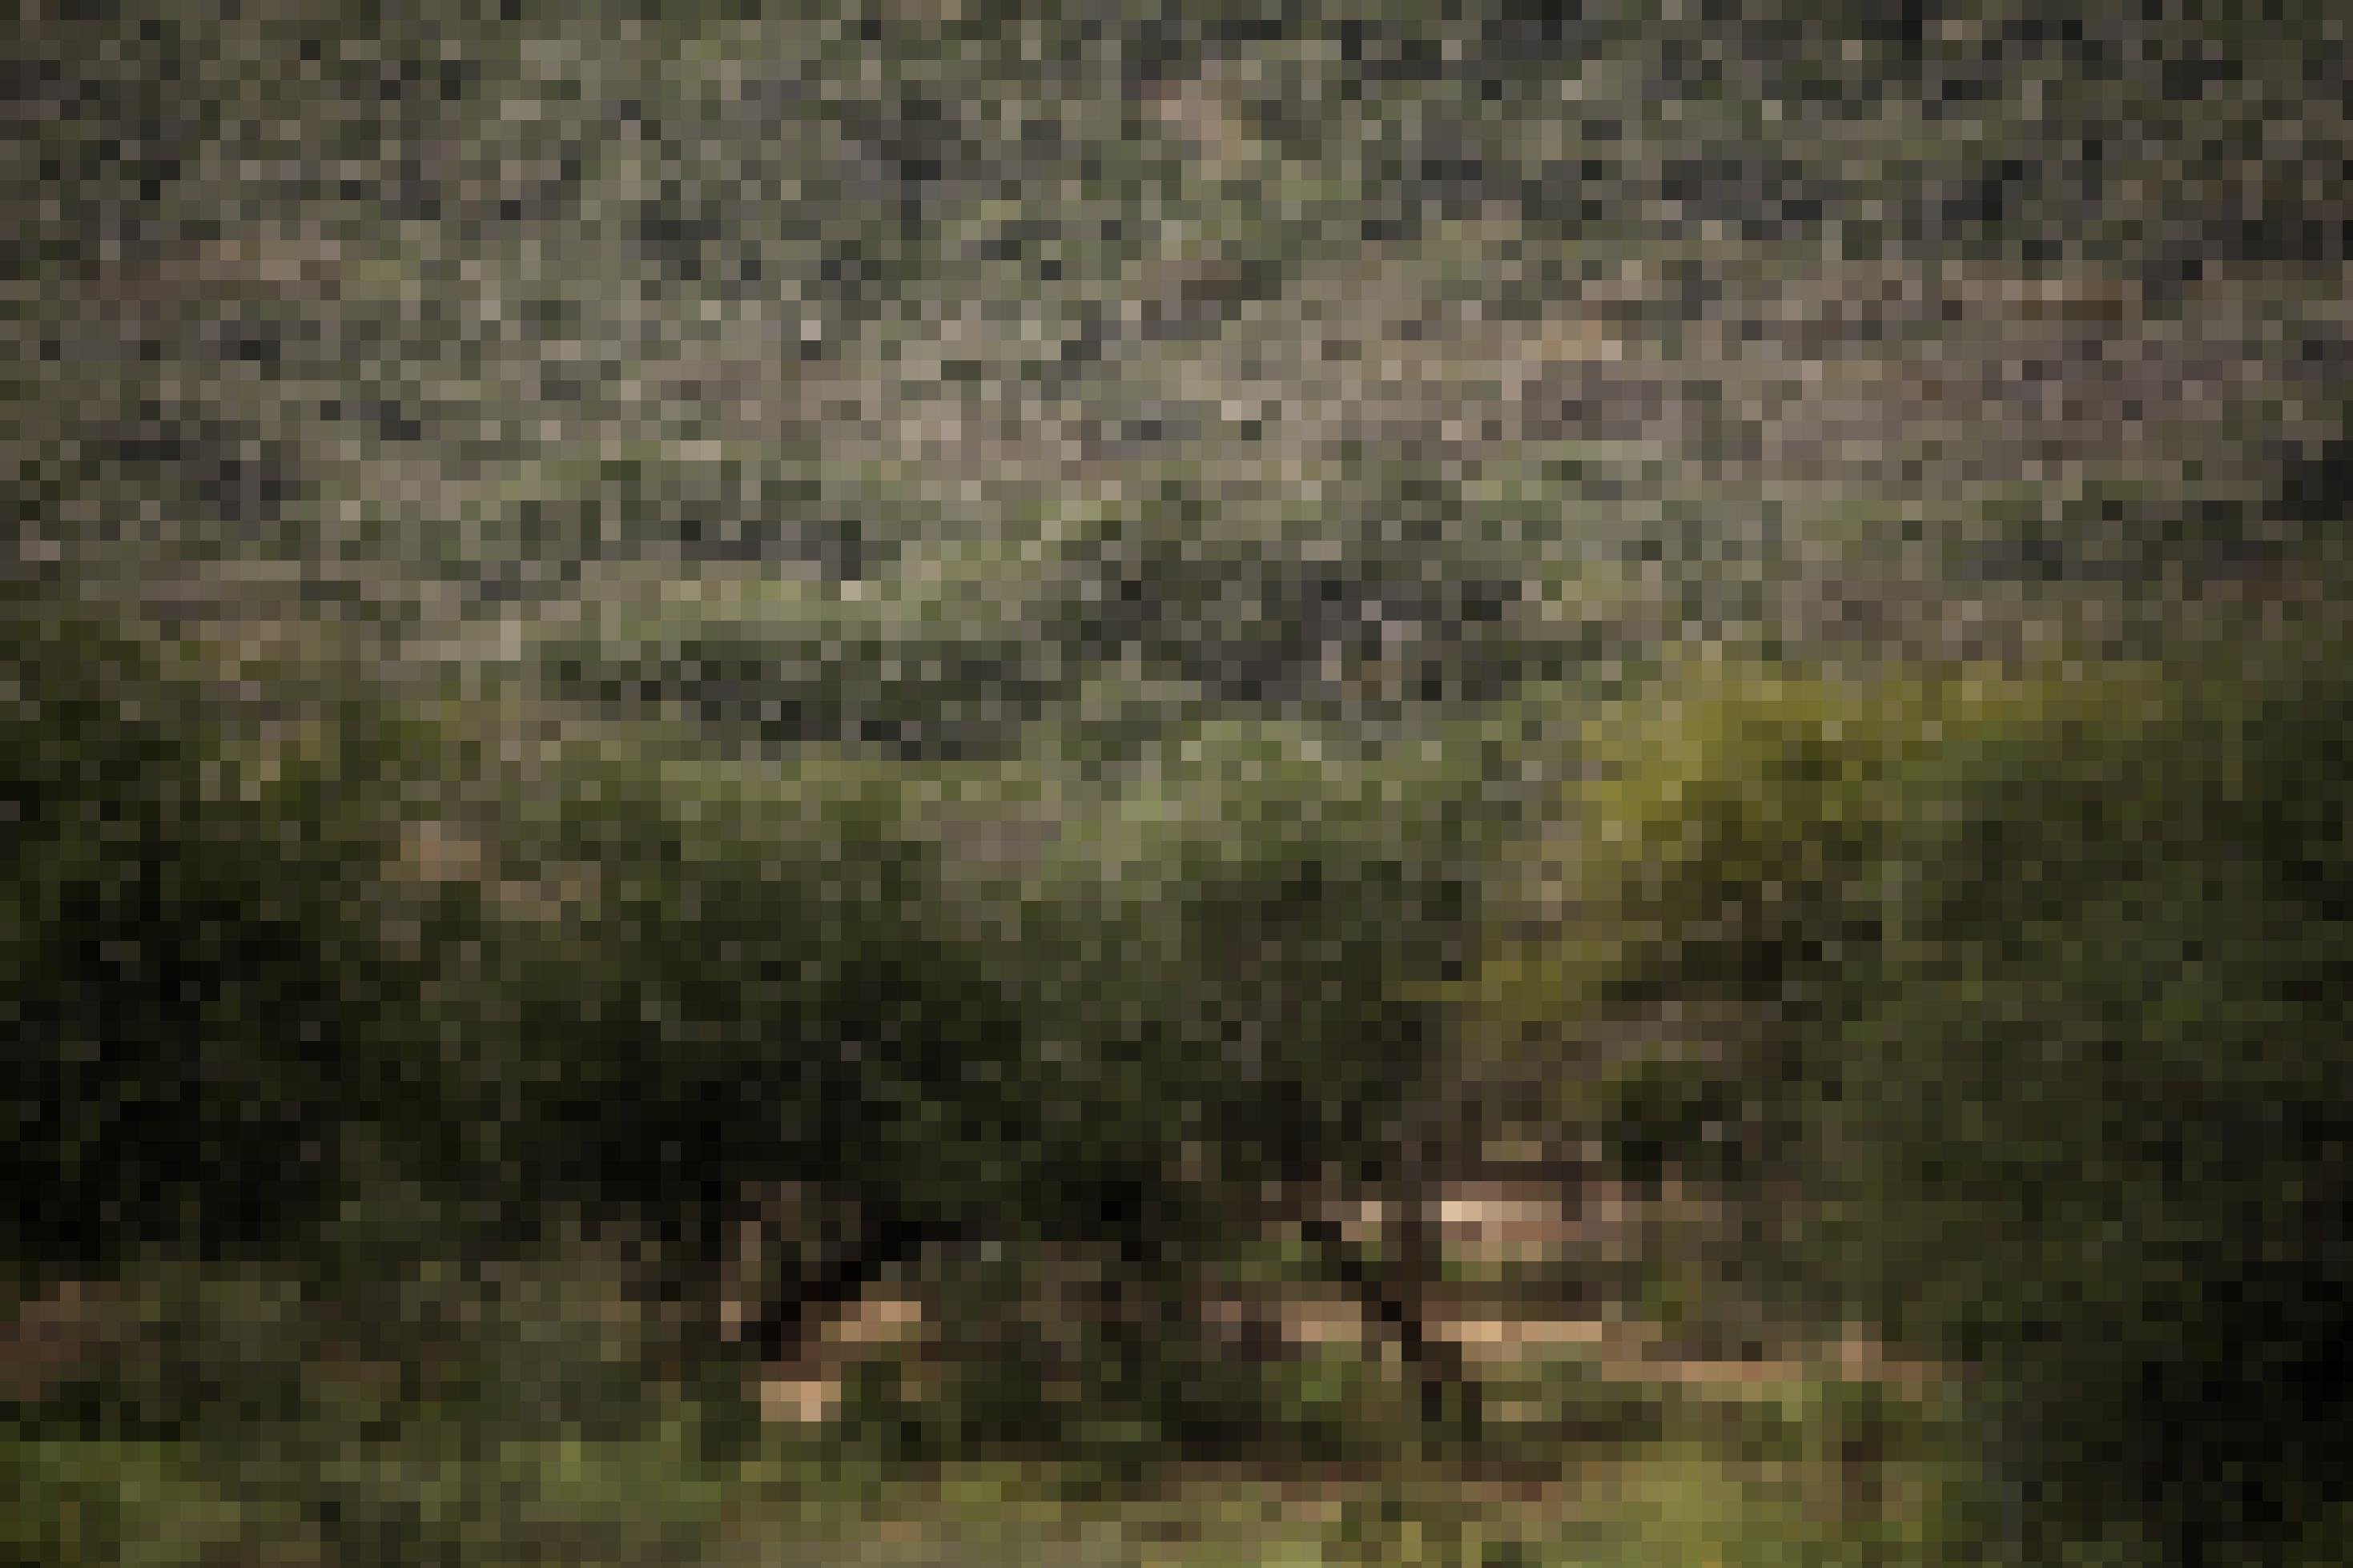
(1393, 1293)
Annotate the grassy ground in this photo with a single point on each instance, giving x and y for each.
(655, 1498)
(209, 1416)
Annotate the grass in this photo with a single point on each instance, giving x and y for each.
(227, 1416)
(656, 1499)
(522, 1448)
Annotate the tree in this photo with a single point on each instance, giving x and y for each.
(2035, 981)
(204, 980)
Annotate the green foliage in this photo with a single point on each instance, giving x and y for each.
(2093, 1126)
(189, 944)
(1005, 684)
(2039, 980)
(1738, 838)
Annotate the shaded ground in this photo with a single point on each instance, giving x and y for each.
(1710, 1488)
